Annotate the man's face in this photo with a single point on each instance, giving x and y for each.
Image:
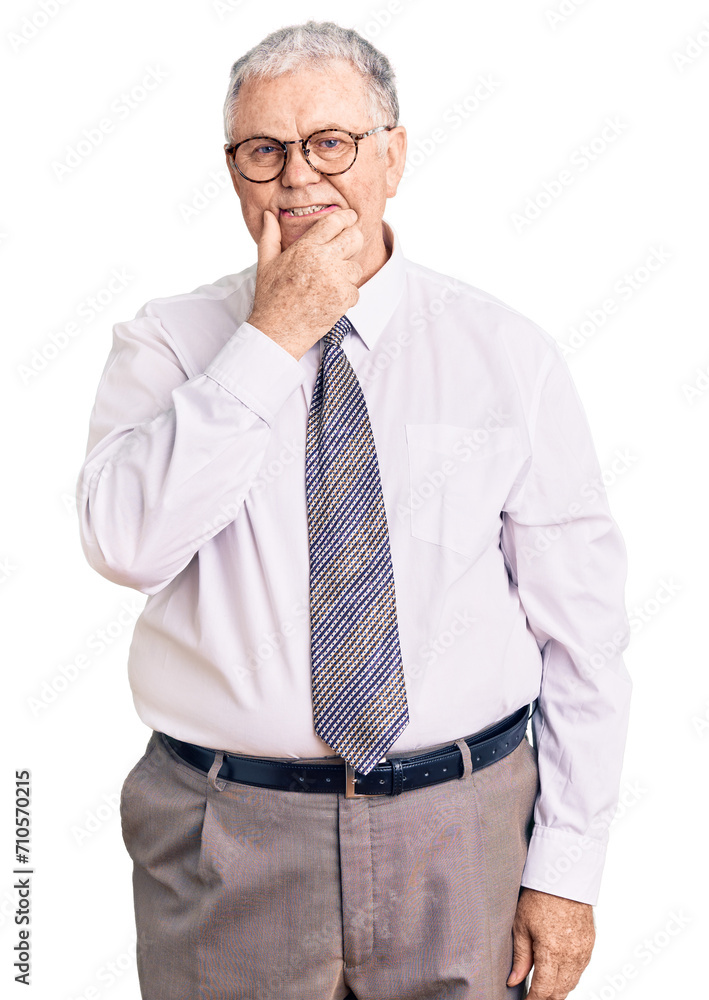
(293, 106)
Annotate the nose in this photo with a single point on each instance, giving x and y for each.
(298, 172)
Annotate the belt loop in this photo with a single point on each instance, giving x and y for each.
(397, 777)
(214, 770)
(467, 759)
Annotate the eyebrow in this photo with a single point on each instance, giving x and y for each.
(318, 128)
(332, 125)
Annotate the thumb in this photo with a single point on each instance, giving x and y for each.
(269, 246)
(523, 958)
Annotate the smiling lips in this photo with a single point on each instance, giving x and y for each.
(297, 213)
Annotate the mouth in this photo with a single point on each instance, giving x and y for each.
(306, 210)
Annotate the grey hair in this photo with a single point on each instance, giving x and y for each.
(314, 44)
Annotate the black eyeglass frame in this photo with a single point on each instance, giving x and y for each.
(231, 150)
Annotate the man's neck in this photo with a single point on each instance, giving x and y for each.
(383, 254)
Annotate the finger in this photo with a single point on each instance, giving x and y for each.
(269, 246)
(352, 271)
(523, 958)
(563, 986)
(567, 977)
(353, 297)
(347, 243)
(325, 229)
(544, 978)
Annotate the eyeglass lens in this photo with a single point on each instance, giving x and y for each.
(329, 151)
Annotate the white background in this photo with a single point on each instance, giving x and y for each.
(642, 373)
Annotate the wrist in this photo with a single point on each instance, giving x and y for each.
(276, 332)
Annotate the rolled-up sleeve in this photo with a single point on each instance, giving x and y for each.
(565, 554)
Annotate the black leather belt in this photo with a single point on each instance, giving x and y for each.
(395, 775)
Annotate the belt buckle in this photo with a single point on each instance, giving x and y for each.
(350, 792)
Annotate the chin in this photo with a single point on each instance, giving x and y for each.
(291, 238)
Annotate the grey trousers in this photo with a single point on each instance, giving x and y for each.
(246, 893)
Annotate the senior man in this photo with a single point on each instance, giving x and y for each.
(356, 493)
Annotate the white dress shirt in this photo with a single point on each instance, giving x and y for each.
(509, 569)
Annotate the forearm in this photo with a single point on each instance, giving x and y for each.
(151, 493)
(579, 733)
(148, 497)
(567, 558)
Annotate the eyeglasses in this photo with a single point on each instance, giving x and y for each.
(328, 151)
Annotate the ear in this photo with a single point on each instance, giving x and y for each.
(395, 158)
(236, 177)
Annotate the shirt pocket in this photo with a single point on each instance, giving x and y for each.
(459, 479)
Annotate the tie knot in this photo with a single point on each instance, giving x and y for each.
(338, 332)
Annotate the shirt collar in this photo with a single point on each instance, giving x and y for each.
(379, 296)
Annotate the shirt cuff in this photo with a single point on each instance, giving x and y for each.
(257, 370)
(564, 864)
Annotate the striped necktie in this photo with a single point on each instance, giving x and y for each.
(359, 694)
